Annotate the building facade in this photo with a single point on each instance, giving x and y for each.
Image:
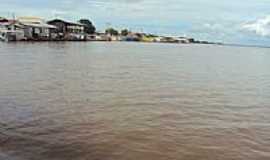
(36, 28)
(68, 30)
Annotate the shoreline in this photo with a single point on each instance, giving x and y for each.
(142, 42)
(63, 41)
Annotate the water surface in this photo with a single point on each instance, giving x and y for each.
(130, 101)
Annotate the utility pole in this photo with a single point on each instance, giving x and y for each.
(13, 16)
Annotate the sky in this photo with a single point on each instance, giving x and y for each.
(226, 21)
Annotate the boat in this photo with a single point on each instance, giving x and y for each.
(10, 30)
(11, 35)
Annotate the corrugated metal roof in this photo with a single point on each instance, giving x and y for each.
(34, 22)
(70, 23)
(39, 25)
(31, 19)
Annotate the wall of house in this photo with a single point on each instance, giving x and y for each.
(75, 29)
(28, 32)
(61, 27)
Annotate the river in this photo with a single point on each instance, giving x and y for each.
(133, 101)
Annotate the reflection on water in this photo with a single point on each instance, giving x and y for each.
(125, 101)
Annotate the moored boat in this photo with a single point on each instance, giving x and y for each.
(11, 35)
(10, 30)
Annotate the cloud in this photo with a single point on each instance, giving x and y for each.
(260, 27)
(58, 12)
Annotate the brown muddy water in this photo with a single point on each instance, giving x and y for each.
(133, 101)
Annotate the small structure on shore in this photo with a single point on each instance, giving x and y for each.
(184, 40)
(35, 28)
(101, 37)
(132, 37)
(68, 30)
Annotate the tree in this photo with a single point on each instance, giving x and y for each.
(112, 31)
(90, 28)
(124, 32)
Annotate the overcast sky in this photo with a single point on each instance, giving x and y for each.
(230, 21)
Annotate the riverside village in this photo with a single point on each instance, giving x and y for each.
(39, 29)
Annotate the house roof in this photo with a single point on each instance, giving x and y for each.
(66, 22)
(39, 25)
(30, 20)
(34, 22)
(8, 22)
(2, 20)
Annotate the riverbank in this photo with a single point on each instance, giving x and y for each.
(109, 38)
(97, 41)
(103, 37)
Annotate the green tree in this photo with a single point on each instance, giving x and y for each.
(112, 31)
(124, 32)
(90, 28)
